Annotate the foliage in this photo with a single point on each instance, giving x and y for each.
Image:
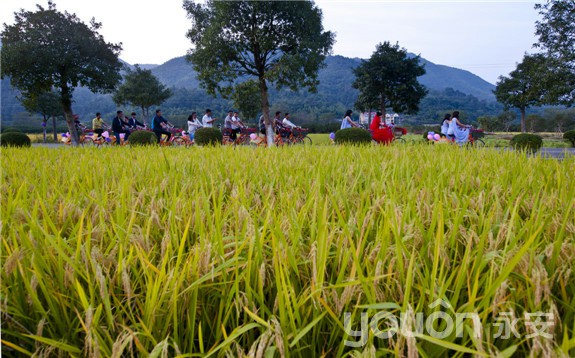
(9, 129)
(389, 80)
(48, 49)
(527, 142)
(524, 87)
(247, 99)
(556, 33)
(208, 136)
(142, 89)
(15, 139)
(352, 136)
(226, 250)
(280, 42)
(570, 136)
(142, 138)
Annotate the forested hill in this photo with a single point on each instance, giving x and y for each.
(449, 89)
(337, 76)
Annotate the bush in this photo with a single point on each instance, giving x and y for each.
(11, 130)
(352, 136)
(208, 136)
(528, 142)
(570, 136)
(142, 138)
(14, 139)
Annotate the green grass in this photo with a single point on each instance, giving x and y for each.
(227, 251)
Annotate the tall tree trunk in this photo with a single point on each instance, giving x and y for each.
(44, 121)
(382, 106)
(54, 129)
(66, 101)
(523, 127)
(266, 111)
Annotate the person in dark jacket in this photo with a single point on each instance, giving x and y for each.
(159, 125)
(119, 127)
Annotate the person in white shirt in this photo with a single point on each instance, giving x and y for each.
(287, 123)
(347, 122)
(236, 125)
(193, 124)
(228, 120)
(207, 120)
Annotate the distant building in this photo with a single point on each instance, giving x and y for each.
(390, 118)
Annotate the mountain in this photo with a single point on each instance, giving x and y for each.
(449, 89)
(338, 73)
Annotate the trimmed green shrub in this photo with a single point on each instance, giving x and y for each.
(14, 139)
(208, 136)
(11, 130)
(570, 136)
(352, 136)
(527, 142)
(142, 138)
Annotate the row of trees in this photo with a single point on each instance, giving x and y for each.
(548, 77)
(48, 54)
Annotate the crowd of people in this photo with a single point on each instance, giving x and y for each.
(123, 125)
(451, 127)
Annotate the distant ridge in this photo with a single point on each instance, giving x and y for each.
(177, 72)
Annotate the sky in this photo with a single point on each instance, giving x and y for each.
(487, 38)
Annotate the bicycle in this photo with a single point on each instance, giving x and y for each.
(243, 138)
(175, 139)
(475, 136)
(299, 136)
(398, 133)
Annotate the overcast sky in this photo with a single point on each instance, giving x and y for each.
(487, 38)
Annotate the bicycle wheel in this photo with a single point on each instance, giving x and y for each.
(87, 141)
(178, 141)
(479, 143)
(304, 141)
(399, 140)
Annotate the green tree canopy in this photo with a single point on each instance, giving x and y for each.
(556, 33)
(279, 42)
(389, 80)
(47, 49)
(141, 89)
(47, 104)
(525, 86)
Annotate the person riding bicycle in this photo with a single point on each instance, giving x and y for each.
(98, 125)
(193, 125)
(159, 125)
(134, 123)
(236, 125)
(380, 132)
(119, 126)
(458, 130)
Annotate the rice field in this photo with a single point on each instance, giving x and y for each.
(412, 250)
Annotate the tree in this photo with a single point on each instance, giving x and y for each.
(48, 105)
(48, 49)
(389, 80)
(246, 98)
(556, 34)
(141, 89)
(525, 86)
(275, 42)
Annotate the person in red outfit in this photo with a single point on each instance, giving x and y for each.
(380, 132)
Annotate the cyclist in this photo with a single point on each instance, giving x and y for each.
(134, 123)
(159, 125)
(236, 125)
(98, 124)
(193, 124)
(119, 126)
